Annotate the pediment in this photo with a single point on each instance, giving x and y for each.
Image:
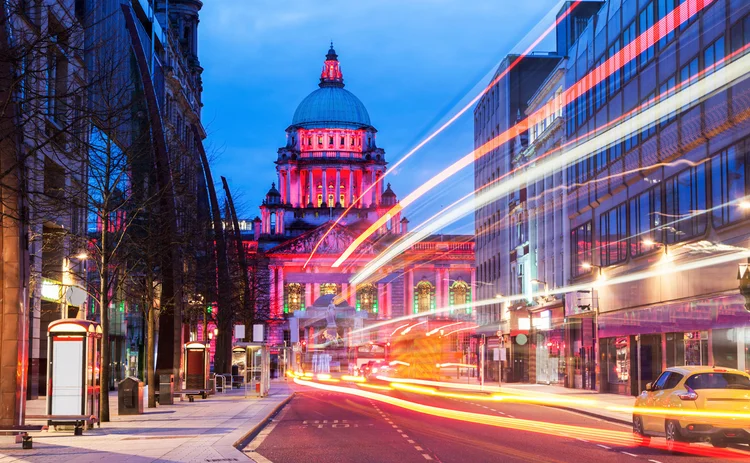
(334, 242)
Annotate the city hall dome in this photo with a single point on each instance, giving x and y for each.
(331, 106)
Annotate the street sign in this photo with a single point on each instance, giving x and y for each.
(503, 353)
(499, 333)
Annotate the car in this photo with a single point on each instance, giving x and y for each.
(695, 388)
(364, 369)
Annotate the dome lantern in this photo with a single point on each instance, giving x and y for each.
(331, 75)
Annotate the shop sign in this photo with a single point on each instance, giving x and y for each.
(51, 290)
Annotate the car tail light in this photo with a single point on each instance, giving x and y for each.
(689, 394)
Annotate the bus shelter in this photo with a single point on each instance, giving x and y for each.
(74, 355)
(257, 367)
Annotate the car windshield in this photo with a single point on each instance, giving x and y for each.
(718, 381)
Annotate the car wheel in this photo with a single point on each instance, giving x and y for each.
(719, 442)
(638, 433)
(672, 433)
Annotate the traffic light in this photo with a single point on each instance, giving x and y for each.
(209, 310)
(303, 345)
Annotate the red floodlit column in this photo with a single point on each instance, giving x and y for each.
(311, 187)
(375, 187)
(439, 288)
(337, 191)
(473, 290)
(324, 182)
(272, 290)
(408, 306)
(362, 188)
(288, 196)
(447, 287)
(381, 300)
(350, 188)
(388, 313)
(280, 289)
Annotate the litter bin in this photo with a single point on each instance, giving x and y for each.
(166, 388)
(130, 396)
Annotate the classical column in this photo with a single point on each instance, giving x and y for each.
(409, 305)
(345, 291)
(350, 187)
(312, 188)
(473, 289)
(280, 296)
(362, 188)
(325, 187)
(273, 293)
(288, 195)
(375, 187)
(381, 300)
(308, 290)
(447, 291)
(337, 192)
(439, 289)
(388, 312)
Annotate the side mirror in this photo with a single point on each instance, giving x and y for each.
(649, 387)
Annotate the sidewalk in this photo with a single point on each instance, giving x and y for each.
(610, 407)
(205, 430)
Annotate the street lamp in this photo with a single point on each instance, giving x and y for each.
(649, 242)
(589, 266)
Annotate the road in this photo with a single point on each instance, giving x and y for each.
(325, 427)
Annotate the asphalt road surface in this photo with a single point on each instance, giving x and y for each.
(327, 427)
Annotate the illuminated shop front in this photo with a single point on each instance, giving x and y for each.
(548, 337)
(636, 345)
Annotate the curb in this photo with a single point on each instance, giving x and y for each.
(248, 437)
(593, 415)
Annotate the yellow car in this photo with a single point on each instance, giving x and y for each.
(679, 406)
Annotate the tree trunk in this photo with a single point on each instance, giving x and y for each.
(104, 308)
(150, 354)
(247, 303)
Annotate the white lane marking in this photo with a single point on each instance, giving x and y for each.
(399, 431)
(426, 457)
(393, 425)
(404, 436)
(604, 446)
(418, 448)
(582, 440)
(629, 454)
(410, 441)
(654, 461)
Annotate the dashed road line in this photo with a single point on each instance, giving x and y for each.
(410, 441)
(630, 454)
(604, 446)
(426, 457)
(418, 448)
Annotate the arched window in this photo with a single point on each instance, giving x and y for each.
(331, 200)
(460, 294)
(295, 298)
(320, 199)
(272, 222)
(424, 294)
(341, 200)
(329, 288)
(367, 298)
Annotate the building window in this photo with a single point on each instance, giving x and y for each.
(367, 298)
(685, 204)
(645, 22)
(666, 90)
(460, 294)
(645, 220)
(614, 78)
(295, 298)
(613, 236)
(630, 65)
(581, 252)
(664, 8)
(330, 140)
(689, 70)
(329, 288)
(331, 200)
(272, 222)
(728, 186)
(424, 297)
(740, 34)
(320, 200)
(341, 200)
(713, 54)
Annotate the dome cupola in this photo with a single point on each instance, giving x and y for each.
(331, 105)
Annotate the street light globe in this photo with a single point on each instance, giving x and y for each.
(216, 331)
(744, 204)
(649, 242)
(586, 266)
(82, 255)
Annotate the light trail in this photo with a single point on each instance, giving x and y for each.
(461, 329)
(596, 284)
(406, 331)
(604, 436)
(402, 326)
(430, 333)
(647, 39)
(682, 100)
(448, 123)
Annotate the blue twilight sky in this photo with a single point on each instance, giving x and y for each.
(409, 61)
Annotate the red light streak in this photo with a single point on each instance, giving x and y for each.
(450, 121)
(644, 41)
(619, 438)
